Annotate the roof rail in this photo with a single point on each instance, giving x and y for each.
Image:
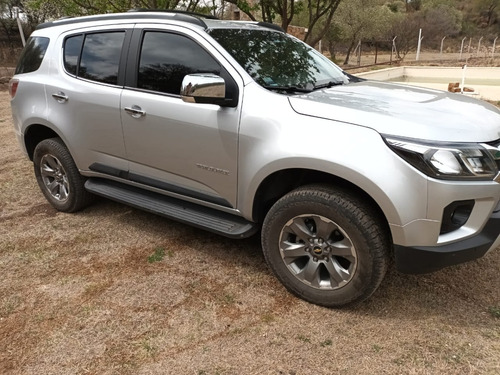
(193, 18)
(194, 14)
(271, 26)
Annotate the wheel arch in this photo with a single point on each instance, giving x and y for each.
(34, 134)
(279, 183)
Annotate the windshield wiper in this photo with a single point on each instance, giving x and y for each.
(288, 88)
(307, 89)
(328, 85)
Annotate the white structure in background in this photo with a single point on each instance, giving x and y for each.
(484, 80)
(420, 37)
(19, 15)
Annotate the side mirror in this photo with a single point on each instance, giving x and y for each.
(203, 88)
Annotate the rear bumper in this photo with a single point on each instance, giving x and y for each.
(424, 259)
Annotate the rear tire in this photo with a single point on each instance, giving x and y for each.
(326, 245)
(58, 177)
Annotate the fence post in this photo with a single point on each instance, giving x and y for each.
(462, 48)
(420, 37)
(357, 52)
(479, 46)
(393, 50)
(494, 46)
(464, 71)
(442, 42)
(19, 24)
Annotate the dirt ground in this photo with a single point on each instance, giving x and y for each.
(113, 290)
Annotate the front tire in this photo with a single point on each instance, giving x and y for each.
(58, 177)
(326, 245)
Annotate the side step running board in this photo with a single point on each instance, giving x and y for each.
(199, 216)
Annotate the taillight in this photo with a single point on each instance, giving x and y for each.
(13, 84)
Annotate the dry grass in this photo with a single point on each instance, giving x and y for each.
(113, 290)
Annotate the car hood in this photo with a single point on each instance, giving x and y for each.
(406, 111)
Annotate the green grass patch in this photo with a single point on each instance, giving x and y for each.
(157, 256)
(304, 338)
(229, 299)
(268, 317)
(494, 311)
(326, 343)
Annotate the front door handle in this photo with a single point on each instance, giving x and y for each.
(60, 96)
(135, 111)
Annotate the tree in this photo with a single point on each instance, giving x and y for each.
(413, 5)
(436, 18)
(319, 10)
(487, 12)
(396, 6)
(9, 30)
(319, 14)
(441, 20)
(64, 8)
(405, 27)
(362, 19)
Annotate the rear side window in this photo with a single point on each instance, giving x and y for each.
(94, 56)
(32, 55)
(72, 49)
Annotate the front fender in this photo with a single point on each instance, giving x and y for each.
(287, 140)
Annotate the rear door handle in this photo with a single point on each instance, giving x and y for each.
(135, 111)
(60, 96)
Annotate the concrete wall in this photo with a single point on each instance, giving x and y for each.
(485, 81)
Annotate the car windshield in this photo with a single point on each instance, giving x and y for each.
(278, 61)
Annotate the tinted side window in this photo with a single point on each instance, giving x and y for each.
(32, 55)
(101, 57)
(72, 49)
(166, 58)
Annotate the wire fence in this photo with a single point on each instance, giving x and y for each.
(485, 51)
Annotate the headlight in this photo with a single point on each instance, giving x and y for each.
(449, 161)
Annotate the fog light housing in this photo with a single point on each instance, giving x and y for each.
(455, 215)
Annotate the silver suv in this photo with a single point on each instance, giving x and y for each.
(235, 127)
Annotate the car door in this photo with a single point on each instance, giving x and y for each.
(83, 96)
(183, 148)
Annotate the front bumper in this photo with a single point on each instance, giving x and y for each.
(424, 259)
